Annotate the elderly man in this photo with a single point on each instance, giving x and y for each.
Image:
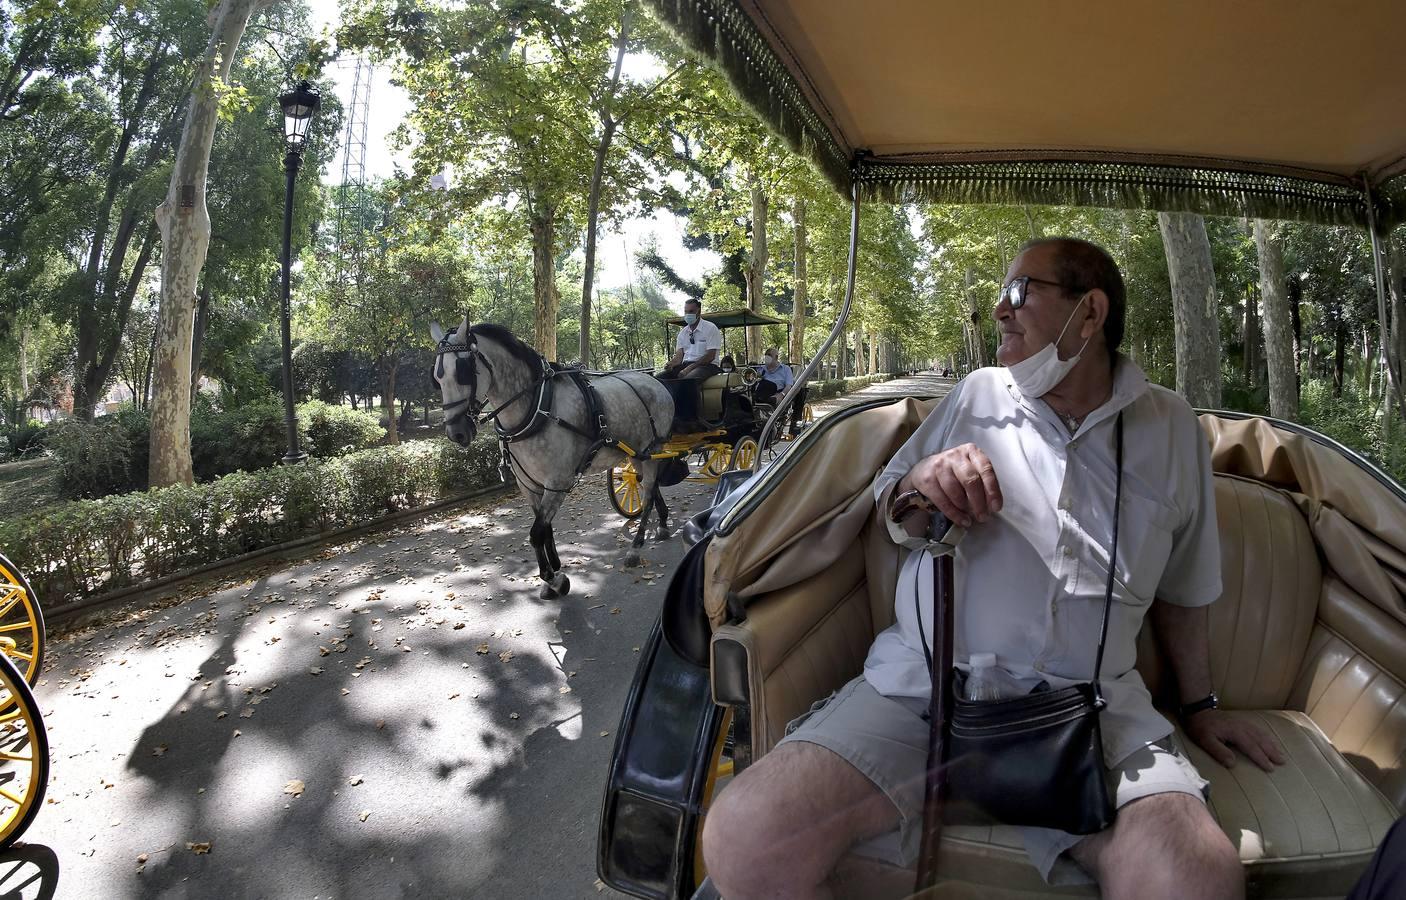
(694, 361)
(1023, 457)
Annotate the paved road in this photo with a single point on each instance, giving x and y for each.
(400, 716)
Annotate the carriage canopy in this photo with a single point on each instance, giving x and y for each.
(733, 318)
(1259, 108)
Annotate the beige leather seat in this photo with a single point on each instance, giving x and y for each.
(713, 388)
(1317, 655)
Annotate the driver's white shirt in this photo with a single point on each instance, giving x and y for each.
(1030, 581)
(707, 336)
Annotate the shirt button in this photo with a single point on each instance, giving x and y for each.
(1068, 550)
(1054, 606)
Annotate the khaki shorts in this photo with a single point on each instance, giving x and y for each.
(886, 739)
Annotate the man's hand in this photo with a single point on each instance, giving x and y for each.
(1217, 731)
(960, 482)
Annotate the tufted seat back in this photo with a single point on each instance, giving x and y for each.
(1271, 580)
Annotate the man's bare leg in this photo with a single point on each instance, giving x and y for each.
(1163, 846)
(779, 828)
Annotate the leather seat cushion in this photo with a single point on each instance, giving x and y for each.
(1306, 830)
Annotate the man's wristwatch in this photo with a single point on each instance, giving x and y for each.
(1186, 710)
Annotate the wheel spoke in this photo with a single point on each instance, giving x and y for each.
(11, 797)
(15, 757)
(27, 657)
(16, 626)
(15, 596)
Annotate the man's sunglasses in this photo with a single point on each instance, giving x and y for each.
(1014, 293)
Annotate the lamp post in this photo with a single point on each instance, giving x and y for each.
(299, 106)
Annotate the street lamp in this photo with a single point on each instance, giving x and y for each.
(299, 106)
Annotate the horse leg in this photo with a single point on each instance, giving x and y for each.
(649, 486)
(555, 583)
(560, 583)
(661, 533)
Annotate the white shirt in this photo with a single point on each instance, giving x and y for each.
(706, 336)
(1030, 581)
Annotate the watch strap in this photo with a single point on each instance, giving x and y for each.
(1211, 701)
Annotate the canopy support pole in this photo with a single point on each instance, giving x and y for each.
(1393, 365)
(799, 384)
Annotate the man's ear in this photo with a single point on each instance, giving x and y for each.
(1095, 314)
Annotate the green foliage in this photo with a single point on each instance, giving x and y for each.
(110, 455)
(86, 547)
(95, 459)
(25, 439)
(1353, 419)
(335, 430)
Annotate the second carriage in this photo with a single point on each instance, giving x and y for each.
(733, 421)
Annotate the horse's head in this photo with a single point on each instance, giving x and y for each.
(457, 369)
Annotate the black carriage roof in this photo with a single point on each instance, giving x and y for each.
(733, 318)
(1257, 108)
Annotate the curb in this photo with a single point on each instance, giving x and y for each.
(67, 610)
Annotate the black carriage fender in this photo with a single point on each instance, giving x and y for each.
(683, 620)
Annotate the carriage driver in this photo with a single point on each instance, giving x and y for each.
(1024, 457)
(692, 363)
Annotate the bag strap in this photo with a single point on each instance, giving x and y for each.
(1099, 702)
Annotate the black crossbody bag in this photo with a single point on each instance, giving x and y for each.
(1033, 760)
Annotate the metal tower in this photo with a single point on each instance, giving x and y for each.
(354, 208)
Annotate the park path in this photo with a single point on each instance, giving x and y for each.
(397, 716)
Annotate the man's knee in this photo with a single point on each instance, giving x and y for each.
(1163, 846)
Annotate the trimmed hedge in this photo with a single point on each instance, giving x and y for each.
(835, 387)
(86, 547)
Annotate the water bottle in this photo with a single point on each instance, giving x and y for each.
(985, 681)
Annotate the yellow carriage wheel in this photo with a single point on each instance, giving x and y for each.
(716, 458)
(744, 454)
(622, 482)
(21, 623)
(24, 755)
(719, 773)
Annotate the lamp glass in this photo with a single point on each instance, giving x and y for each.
(299, 106)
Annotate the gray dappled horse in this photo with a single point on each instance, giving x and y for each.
(554, 424)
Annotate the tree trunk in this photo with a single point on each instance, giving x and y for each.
(607, 134)
(91, 377)
(860, 360)
(873, 367)
(24, 360)
(388, 370)
(755, 272)
(1278, 324)
(544, 289)
(798, 306)
(1250, 337)
(1193, 307)
(185, 238)
(197, 340)
(978, 316)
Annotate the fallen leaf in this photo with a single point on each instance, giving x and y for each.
(604, 733)
(159, 750)
(505, 656)
(364, 815)
(513, 716)
(247, 712)
(458, 625)
(316, 670)
(198, 847)
(237, 732)
(355, 780)
(615, 611)
(143, 858)
(294, 787)
(483, 649)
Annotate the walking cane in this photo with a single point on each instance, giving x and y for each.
(939, 721)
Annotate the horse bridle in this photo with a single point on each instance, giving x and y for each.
(466, 359)
(467, 356)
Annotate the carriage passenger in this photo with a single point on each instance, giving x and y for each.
(1024, 458)
(776, 378)
(693, 362)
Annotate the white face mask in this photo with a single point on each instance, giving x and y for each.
(1041, 372)
(769, 360)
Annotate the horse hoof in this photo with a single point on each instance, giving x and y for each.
(547, 592)
(561, 584)
(632, 559)
(662, 534)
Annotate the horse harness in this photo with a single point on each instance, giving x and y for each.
(467, 358)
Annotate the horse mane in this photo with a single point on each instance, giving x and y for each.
(498, 334)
